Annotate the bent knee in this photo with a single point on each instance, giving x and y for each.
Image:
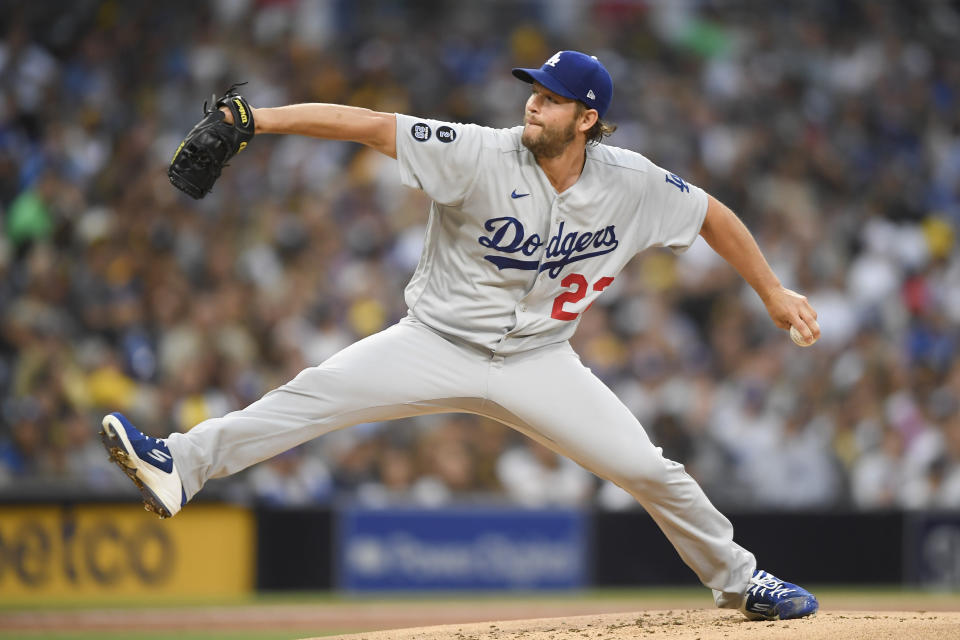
(646, 472)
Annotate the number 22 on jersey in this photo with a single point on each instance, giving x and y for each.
(578, 286)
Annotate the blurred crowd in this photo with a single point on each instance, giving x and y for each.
(831, 127)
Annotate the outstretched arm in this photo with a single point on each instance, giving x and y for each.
(730, 238)
(331, 121)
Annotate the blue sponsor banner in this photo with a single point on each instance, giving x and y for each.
(461, 548)
(932, 551)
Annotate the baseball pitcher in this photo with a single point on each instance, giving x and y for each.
(527, 227)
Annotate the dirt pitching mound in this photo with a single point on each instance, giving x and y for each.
(692, 624)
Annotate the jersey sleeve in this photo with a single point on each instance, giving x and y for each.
(441, 159)
(678, 206)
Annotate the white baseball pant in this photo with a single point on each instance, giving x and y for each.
(546, 393)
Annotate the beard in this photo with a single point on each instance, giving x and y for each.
(550, 143)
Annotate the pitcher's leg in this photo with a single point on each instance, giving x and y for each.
(551, 393)
(403, 371)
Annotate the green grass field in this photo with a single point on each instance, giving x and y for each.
(164, 635)
(299, 615)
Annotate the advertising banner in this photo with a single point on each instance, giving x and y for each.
(933, 549)
(62, 552)
(462, 548)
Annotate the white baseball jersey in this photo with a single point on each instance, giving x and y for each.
(509, 264)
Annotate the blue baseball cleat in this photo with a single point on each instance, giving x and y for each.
(148, 462)
(770, 598)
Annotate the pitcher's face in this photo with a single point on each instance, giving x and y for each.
(549, 122)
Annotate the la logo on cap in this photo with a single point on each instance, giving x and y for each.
(580, 77)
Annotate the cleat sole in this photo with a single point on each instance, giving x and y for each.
(798, 608)
(118, 456)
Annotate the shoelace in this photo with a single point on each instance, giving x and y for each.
(766, 582)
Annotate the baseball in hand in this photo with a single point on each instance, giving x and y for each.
(798, 339)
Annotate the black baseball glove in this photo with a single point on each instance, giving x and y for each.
(203, 154)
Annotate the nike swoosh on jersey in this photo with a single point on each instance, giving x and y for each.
(516, 195)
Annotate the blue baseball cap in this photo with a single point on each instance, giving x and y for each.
(573, 75)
